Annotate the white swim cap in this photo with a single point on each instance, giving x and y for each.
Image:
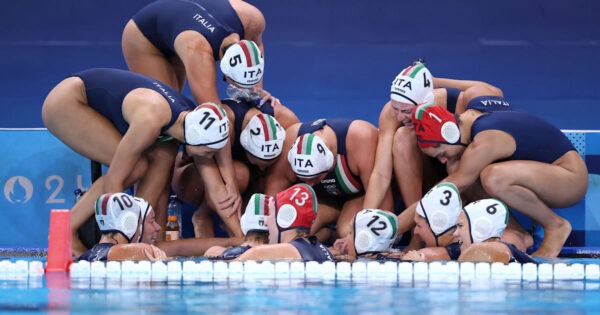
(207, 125)
(309, 156)
(263, 137)
(256, 214)
(374, 231)
(145, 208)
(413, 85)
(118, 213)
(440, 207)
(243, 63)
(487, 218)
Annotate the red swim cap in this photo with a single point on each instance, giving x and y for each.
(296, 207)
(433, 125)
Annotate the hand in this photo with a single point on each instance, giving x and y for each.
(154, 253)
(265, 97)
(236, 198)
(341, 245)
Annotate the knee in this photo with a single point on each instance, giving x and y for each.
(493, 180)
(186, 184)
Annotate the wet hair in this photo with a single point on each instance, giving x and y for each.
(224, 49)
(258, 237)
(302, 233)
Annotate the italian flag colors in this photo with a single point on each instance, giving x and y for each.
(101, 204)
(251, 52)
(218, 110)
(348, 183)
(412, 70)
(269, 126)
(261, 204)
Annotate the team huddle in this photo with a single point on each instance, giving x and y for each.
(447, 164)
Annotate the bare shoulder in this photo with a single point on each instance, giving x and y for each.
(481, 90)
(133, 251)
(285, 116)
(252, 18)
(434, 253)
(272, 251)
(362, 128)
(486, 252)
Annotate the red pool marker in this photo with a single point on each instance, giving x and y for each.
(59, 241)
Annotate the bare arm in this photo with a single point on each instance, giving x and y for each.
(381, 176)
(487, 147)
(145, 123)
(285, 117)
(280, 175)
(137, 251)
(193, 247)
(470, 89)
(362, 149)
(200, 66)
(225, 162)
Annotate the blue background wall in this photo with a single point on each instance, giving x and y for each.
(337, 58)
(327, 58)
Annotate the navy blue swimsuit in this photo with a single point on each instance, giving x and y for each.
(490, 104)
(97, 253)
(107, 88)
(536, 139)
(340, 183)
(453, 250)
(481, 103)
(162, 21)
(311, 250)
(232, 253)
(517, 255)
(451, 98)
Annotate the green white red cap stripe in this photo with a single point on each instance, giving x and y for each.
(218, 110)
(251, 52)
(305, 143)
(101, 204)
(269, 127)
(261, 204)
(421, 110)
(412, 70)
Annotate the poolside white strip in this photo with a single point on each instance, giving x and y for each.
(439, 271)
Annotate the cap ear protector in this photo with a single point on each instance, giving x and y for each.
(435, 124)
(374, 231)
(487, 219)
(118, 213)
(145, 209)
(310, 156)
(440, 207)
(263, 137)
(243, 63)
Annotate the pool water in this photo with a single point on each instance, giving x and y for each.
(247, 294)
